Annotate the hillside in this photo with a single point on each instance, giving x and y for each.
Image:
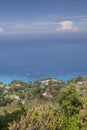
(48, 104)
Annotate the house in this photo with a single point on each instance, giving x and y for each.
(80, 82)
(7, 86)
(47, 95)
(48, 80)
(16, 97)
(1, 85)
(18, 84)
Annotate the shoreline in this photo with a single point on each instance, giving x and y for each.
(8, 79)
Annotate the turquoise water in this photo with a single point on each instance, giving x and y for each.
(8, 79)
(34, 59)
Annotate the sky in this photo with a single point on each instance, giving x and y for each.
(42, 17)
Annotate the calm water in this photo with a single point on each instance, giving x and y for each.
(33, 59)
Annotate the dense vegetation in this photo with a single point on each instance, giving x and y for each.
(49, 104)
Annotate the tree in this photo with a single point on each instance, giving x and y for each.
(70, 104)
(70, 100)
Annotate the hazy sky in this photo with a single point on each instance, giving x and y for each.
(32, 17)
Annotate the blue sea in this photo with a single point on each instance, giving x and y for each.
(29, 59)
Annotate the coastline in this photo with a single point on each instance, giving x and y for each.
(6, 79)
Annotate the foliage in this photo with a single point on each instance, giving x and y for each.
(43, 119)
(9, 117)
(25, 106)
(70, 100)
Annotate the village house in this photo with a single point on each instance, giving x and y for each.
(47, 95)
(48, 80)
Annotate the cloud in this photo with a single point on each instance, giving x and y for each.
(2, 30)
(67, 26)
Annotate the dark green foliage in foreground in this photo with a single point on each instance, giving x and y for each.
(70, 100)
(10, 117)
(70, 103)
(40, 106)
